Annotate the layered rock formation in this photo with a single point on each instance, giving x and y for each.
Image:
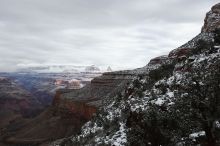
(64, 106)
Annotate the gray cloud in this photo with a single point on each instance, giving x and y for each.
(119, 33)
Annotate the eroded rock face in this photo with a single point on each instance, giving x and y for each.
(105, 84)
(66, 106)
(158, 60)
(212, 20)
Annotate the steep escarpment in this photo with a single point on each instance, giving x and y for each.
(66, 106)
(174, 100)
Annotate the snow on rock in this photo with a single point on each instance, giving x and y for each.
(196, 135)
(159, 101)
(217, 124)
(186, 48)
(119, 138)
(94, 128)
(138, 104)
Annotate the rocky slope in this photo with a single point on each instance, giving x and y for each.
(174, 100)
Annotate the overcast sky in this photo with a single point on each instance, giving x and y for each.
(117, 33)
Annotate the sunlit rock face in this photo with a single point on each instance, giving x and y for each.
(212, 20)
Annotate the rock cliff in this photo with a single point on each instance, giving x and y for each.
(212, 20)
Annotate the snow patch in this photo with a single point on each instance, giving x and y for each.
(197, 134)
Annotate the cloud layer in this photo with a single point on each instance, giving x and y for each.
(118, 33)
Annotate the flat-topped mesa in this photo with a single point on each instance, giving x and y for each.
(212, 20)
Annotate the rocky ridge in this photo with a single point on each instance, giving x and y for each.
(168, 102)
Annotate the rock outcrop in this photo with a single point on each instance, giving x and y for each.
(212, 20)
(66, 107)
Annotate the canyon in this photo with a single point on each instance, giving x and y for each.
(103, 99)
(31, 99)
